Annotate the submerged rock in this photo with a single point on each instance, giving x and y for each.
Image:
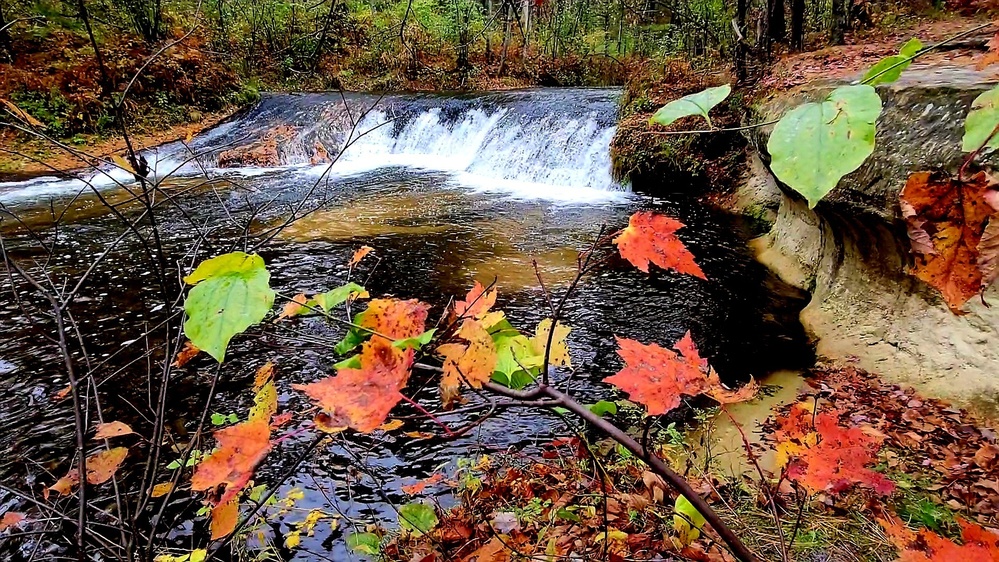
(852, 252)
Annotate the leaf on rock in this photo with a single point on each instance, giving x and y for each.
(362, 398)
(112, 429)
(232, 292)
(992, 55)
(224, 518)
(953, 215)
(473, 360)
(395, 319)
(981, 122)
(694, 104)
(651, 238)
(241, 447)
(477, 303)
(979, 543)
(102, 466)
(657, 378)
(988, 252)
(559, 354)
(815, 144)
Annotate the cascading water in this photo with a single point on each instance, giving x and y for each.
(537, 144)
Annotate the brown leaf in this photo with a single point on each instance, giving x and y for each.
(112, 429)
(986, 455)
(953, 213)
(102, 466)
(988, 253)
(11, 519)
(992, 55)
(186, 354)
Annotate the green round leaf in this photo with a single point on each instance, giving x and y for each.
(233, 262)
(982, 121)
(419, 518)
(815, 144)
(367, 543)
(232, 293)
(694, 104)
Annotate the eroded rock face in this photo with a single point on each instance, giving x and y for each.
(262, 153)
(851, 252)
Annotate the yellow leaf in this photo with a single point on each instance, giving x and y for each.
(559, 355)
(314, 516)
(611, 535)
(122, 163)
(391, 425)
(264, 374)
(162, 489)
(292, 539)
(22, 114)
(265, 402)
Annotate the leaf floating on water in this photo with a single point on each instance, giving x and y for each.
(102, 466)
(294, 307)
(650, 238)
(359, 255)
(418, 518)
(112, 429)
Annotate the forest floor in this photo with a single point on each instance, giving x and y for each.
(595, 499)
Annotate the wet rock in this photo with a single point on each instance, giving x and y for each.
(264, 153)
(851, 252)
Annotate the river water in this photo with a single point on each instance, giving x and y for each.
(448, 190)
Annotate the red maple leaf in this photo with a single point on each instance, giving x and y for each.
(835, 458)
(650, 238)
(656, 377)
(979, 544)
(241, 447)
(362, 398)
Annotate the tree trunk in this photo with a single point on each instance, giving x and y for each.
(527, 29)
(776, 22)
(797, 24)
(6, 50)
(740, 41)
(840, 21)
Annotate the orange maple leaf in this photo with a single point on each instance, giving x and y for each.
(190, 351)
(224, 518)
(359, 255)
(650, 238)
(656, 377)
(241, 447)
(477, 303)
(294, 307)
(979, 543)
(362, 398)
(394, 318)
(946, 218)
(418, 487)
(833, 458)
(473, 361)
(102, 466)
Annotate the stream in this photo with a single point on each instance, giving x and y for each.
(447, 190)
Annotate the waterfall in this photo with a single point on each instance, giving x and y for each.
(528, 142)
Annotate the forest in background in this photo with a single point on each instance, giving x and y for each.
(209, 56)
